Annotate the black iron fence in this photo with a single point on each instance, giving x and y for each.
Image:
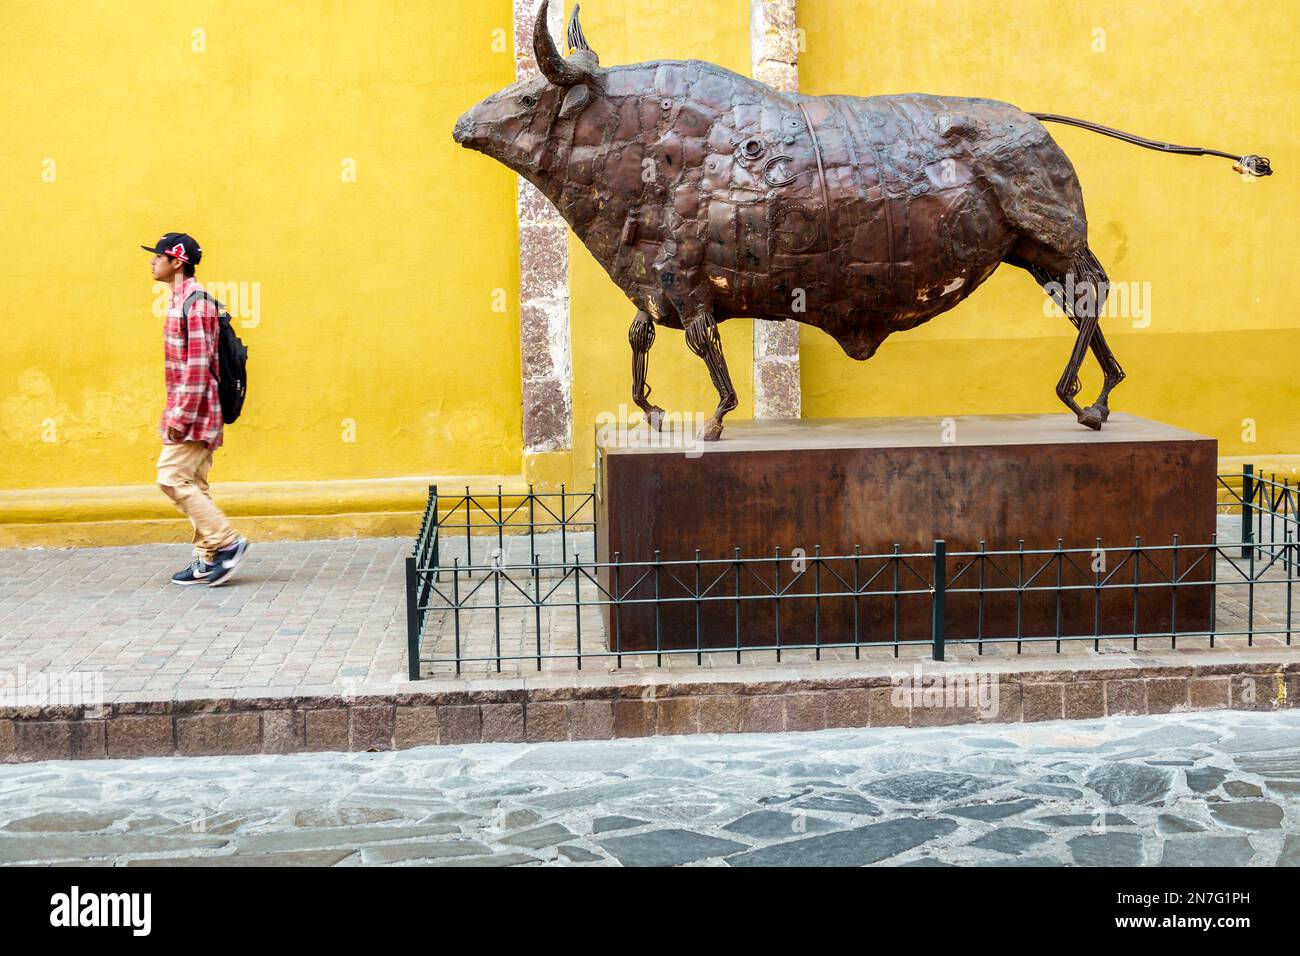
(486, 523)
(516, 580)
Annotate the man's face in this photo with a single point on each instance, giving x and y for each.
(165, 267)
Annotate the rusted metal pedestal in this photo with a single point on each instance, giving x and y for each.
(837, 484)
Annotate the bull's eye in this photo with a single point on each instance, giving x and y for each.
(527, 101)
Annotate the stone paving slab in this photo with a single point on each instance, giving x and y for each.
(1169, 790)
(300, 617)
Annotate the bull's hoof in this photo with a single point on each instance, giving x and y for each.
(655, 417)
(712, 430)
(1093, 417)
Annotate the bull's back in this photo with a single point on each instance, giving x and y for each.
(959, 181)
(892, 208)
(991, 145)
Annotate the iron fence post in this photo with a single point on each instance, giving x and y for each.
(1099, 557)
(595, 530)
(455, 604)
(577, 604)
(1020, 594)
(1289, 564)
(433, 532)
(817, 599)
(1247, 519)
(1214, 584)
(937, 601)
(532, 524)
(501, 541)
(776, 590)
(699, 637)
(564, 524)
(617, 614)
(1137, 585)
(412, 621)
(496, 608)
(897, 597)
(469, 534)
(857, 591)
(1173, 598)
(737, 576)
(659, 627)
(1250, 601)
(1060, 584)
(537, 604)
(979, 618)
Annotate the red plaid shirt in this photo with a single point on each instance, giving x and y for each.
(190, 366)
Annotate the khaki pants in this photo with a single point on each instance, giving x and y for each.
(184, 468)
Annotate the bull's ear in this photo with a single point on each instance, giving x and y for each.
(575, 38)
(574, 100)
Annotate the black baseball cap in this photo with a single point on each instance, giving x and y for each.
(178, 245)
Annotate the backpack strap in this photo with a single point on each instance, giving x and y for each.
(185, 306)
(185, 314)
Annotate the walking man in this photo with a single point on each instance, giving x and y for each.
(192, 423)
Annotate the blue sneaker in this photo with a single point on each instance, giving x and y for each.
(197, 573)
(227, 560)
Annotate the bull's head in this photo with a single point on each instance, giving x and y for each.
(515, 125)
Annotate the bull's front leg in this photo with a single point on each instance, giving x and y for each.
(703, 339)
(641, 336)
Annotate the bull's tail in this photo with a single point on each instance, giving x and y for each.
(1251, 164)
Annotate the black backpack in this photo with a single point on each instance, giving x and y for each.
(232, 354)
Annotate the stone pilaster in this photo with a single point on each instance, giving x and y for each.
(774, 60)
(543, 285)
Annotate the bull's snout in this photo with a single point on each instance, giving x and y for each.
(464, 127)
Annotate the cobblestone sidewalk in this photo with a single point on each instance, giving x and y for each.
(1177, 790)
(300, 617)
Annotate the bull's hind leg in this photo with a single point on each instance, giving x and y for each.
(641, 336)
(703, 339)
(1110, 368)
(1088, 285)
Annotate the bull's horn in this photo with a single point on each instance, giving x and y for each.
(550, 61)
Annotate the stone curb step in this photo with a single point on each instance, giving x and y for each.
(613, 709)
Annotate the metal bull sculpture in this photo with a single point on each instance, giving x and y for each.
(707, 195)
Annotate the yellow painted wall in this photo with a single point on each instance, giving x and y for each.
(1219, 252)
(632, 31)
(370, 310)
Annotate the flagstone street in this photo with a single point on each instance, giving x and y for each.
(1219, 788)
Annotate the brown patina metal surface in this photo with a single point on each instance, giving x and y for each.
(708, 195)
